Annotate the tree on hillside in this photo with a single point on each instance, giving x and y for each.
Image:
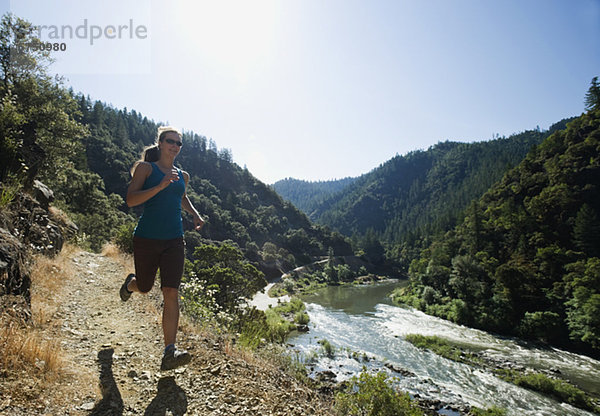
(592, 97)
(586, 231)
(20, 51)
(38, 133)
(524, 260)
(224, 270)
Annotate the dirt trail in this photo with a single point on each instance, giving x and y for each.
(121, 343)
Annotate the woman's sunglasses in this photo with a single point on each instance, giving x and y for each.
(171, 141)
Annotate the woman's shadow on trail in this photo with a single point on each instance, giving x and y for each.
(111, 402)
(169, 397)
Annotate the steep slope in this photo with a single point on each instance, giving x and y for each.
(525, 260)
(238, 207)
(414, 196)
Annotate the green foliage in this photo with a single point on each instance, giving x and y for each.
(582, 285)
(96, 214)
(9, 188)
(492, 411)
(373, 395)
(39, 131)
(523, 259)
(198, 301)
(255, 330)
(301, 318)
(540, 325)
(371, 246)
(309, 196)
(558, 389)
(441, 347)
(289, 308)
(124, 237)
(278, 327)
(586, 231)
(592, 97)
(273, 325)
(328, 349)
(224, 268)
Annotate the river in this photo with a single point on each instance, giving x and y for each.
(361, 321)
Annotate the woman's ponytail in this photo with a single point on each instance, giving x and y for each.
(151, 153)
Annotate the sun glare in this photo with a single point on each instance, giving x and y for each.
(235, 36)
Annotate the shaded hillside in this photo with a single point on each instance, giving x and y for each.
(308, 196)
(410, 198)
(237, 206)
(525, 260)
(84, 149)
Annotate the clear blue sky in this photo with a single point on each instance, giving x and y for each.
(322, 89)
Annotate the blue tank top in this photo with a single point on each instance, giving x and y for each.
(161, 219)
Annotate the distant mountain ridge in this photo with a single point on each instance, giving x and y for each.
(308, 196)
(409, 198)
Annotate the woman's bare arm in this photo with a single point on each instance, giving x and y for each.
(187, 205)
(135, 194)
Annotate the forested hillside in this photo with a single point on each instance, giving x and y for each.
(410, 198)
(236, 205)
(308, 196)
(84, 150)
(525, 259)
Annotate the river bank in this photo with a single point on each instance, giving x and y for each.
(546, 381)
(361, 321)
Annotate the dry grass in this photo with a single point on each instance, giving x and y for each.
(34, 345)
(48, 278)
(112, 251)
(32, 359)
(59, 215)
(24, 348)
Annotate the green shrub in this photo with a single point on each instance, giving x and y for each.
(301, 318)
(327, 348)
(278, 328)
(197, 299)
(253, 329)
(256, 327)
(373, 395)
(9, 188)
(436, 344)
(559, 389)
(492, 411)
(124, 237)
(293, 306)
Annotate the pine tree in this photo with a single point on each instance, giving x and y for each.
(592, 97)
(586, 232)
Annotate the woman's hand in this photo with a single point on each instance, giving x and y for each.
(169, 178)
(198, 222)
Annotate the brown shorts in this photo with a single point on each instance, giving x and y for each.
(149, 255)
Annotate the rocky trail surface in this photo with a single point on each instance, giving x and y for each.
(120, 344)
